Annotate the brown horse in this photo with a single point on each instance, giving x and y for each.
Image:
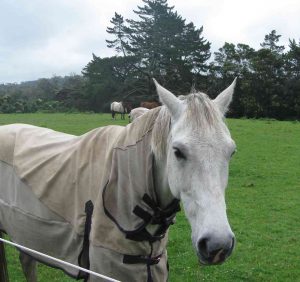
(150, 105)
(127, 106)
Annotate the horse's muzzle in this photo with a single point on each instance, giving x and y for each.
(211, 253)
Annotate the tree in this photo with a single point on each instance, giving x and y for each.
(109, 79)
(292, 59)
(292, 79)
(260, 91)
(268, 65)
(163, 45)
(71, 94)
(234, 61)
(270, 42)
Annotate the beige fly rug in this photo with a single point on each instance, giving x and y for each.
(47, 179)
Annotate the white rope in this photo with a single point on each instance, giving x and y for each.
(60, 261)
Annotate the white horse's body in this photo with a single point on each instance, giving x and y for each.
(185, 146)
(137, 112)
(117, 107)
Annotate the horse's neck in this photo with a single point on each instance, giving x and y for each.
(162, 190)
(161, 183)
(160, 165)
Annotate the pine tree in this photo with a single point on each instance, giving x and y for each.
(270, 42)
(163, 44)
(292, 80)
(235, 61)
(268, 65)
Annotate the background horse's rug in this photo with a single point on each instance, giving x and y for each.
(137, 112)
(53, 175)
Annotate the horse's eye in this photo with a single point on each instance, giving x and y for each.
(179, 154)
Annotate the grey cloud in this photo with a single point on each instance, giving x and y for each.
(40, 38)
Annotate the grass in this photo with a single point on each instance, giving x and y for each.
(263, 199)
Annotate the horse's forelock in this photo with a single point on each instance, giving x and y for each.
(201, 114)
(201, 111)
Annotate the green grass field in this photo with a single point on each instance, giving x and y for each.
(263, 200)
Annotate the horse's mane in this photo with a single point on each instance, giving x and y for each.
(201, 114)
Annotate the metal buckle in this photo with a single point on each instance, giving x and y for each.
(155, 260)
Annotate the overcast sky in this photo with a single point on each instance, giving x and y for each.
(40, 38)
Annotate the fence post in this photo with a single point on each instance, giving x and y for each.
(3, 265)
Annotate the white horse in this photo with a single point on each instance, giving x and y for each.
(137, 112)
(135, 177)
(117, 107)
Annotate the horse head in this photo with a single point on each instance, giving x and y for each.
(127, 106)
(195, 166)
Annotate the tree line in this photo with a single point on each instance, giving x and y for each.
(57, 94)
(160, 43)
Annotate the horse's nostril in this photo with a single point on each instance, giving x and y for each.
(213, 251)
(232, 246)
(202, 247)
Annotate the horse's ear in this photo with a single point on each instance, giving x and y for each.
(173, 104)
(224, 98)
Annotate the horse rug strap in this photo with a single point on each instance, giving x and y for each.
(129, 259)
(83, 259)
